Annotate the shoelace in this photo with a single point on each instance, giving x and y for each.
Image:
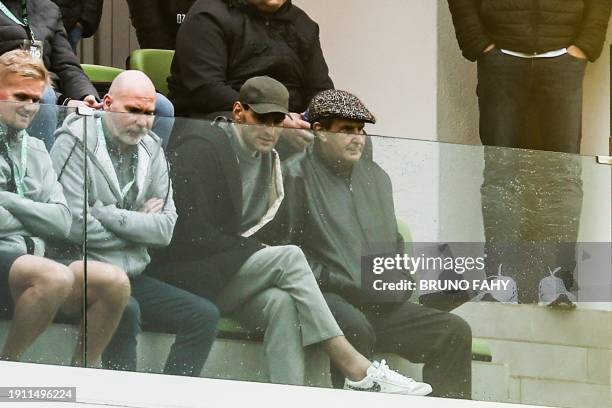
(500, 276)
(559, 285)
(386, 372)
(554, 271)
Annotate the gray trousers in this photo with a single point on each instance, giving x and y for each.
(276, 292)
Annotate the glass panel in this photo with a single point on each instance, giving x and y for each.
(364, 211)
(130, 214)
(40, 300)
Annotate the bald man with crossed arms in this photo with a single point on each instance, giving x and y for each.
(130, 211)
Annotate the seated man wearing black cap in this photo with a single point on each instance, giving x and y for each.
(336, 204)
(228, 186)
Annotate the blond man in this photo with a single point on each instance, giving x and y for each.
(34, 213)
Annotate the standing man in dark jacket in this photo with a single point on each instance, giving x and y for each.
(531, 56)
(222, 43)
(40, 24)
(81, 18)
(157, 21)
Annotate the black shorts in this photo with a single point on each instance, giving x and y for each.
(6, 299)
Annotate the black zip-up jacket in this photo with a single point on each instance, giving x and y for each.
(530, 26)
(223, 43)
(46, 23)
(157, 21)
(206, 246)
(86, 12)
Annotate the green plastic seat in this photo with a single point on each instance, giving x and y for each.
(100, 73)
(101, 76)
(481, 351)
(156, 64)
(231, 329)
(404, 231)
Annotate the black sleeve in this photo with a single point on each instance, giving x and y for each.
(64, 63)
(594, 26)
(151, 24)
(90, 16)
(202, 53)
(317, 74)
(195, 173)
(469, 28)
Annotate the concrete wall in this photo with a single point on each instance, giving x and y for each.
(386, 53)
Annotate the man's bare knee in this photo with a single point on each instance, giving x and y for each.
(112, 282)
(58, 281)
(44, 277)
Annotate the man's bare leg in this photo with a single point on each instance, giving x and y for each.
(39, 286)
(349, 361)
(108, 290)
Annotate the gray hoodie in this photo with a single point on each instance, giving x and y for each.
(43, 213)
(114, 235)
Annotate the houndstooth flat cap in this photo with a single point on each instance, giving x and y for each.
(338, 104)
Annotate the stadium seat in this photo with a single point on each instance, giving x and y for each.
(101, 76)
(481, 351)
(156, 64)
(404, 230)
(233, 330)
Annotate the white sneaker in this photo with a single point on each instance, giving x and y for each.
(553, 293)
(508, 295)
(380, 378)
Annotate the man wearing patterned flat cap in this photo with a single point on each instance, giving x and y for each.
(228, 189)
(337, 202)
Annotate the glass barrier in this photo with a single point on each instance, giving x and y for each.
(471, 269)
(41, 296)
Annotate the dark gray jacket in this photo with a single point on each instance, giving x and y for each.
(86, 12)
(530, 26)
(46, 22)
(157, 21)
(334, 219)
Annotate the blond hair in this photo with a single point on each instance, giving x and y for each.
(22, 63)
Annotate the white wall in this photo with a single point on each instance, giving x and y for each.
(596, 113)
(385, 52)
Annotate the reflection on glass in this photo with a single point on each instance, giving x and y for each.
(225, 227)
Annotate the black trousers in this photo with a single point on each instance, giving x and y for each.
(162, 307)
(442, 341)
(531, 198)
